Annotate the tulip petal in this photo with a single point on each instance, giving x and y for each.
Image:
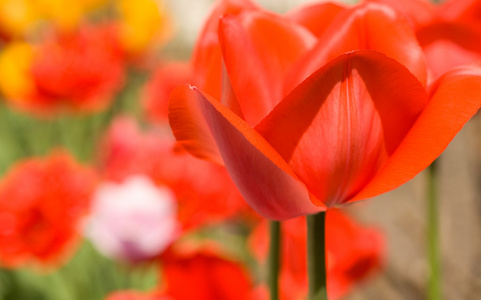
(258, 48)
(206, 57)
(460, 10)
(189, 126)
(449, 45)
(455, 99)
(417, 12)
(339, 126)
(316, 16)
(364, 27)
(264, 179)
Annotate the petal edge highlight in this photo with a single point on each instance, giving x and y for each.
(189, 126)
(264, 179)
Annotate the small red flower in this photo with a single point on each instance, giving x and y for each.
(203, 274)
(42, 202)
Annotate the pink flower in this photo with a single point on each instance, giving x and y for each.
(133, 220)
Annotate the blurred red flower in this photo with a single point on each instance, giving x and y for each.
(42, 202)
(157, 90)
(202, 273)
(204, 191)
(134, 295)
(196, 271)
(73, 71)
(354, 252)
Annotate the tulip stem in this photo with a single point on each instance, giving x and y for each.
(274, 258)
(316, 256)
(433, 233)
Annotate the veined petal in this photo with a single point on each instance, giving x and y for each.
(337, 128)
(206, 57)
(264, 179)
(364, 27)
(258, 48)
(456, 97)
(316, 16)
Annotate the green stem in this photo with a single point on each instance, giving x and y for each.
(274, 258)
(433, 233)
(316, 256)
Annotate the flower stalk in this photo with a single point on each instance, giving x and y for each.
(316, 256)
(274, 258)
(433, 233)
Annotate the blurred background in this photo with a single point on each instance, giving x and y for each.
(103, 117)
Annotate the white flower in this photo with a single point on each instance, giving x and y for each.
(134, 220)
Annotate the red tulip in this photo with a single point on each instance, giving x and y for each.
(42, 202)
(358, 126)
(353, 253)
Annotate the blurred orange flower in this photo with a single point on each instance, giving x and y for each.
(19, 18)
(15, 63)
(42, 202)
(77, 71)
(66, 15)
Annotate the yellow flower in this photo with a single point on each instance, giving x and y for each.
(142, 22)
(67, 14)
(17, 17)
(15, 62)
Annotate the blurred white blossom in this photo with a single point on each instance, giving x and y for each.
(134, 220)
